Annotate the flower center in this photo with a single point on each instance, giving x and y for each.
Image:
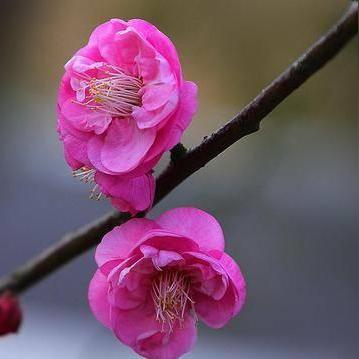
(114, 92)
(170, 294)
(87, 175)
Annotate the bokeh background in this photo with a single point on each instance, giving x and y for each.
(286, 196)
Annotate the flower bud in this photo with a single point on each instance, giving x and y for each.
(10, 314)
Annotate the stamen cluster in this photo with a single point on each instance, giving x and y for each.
(87, 175)
(170, 294)
(113, 91)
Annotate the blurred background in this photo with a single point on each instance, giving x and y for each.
(285, 196)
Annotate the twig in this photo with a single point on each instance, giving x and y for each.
(177, 152)
(244, 123)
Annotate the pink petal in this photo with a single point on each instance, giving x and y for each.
(171, 133)
(135, 275)
(122, 298)
(119, 242)
(215, 313)
(148, 119)
(122, 49)
(185, 113)
(97, 297)
(209, 277)
(207, 281)
(165, 240)
(156, 95)
(138, 329)
(113, 268)
(160, 42)
(124, 145)
(75, 152)
(84, 119)
(237, 280)
(129, 324)
(78, 64)
(91, 52)
(161, 258)
(106, 31)
(128, 194)
(94, 155)
(168, 346)
(195, 224)
(130, 284)
(65, 91)
(75, 144)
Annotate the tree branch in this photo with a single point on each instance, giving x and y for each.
(178, 152)
(244, 123)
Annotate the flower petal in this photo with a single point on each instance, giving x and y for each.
(171, 133)
(237, 280)
(168, 346)
(215, 313)
(123, 48)
(106, 31)
(84, 119)
(161, 258)
(118, 243)
(124, 145)
(131, 195)
(148, 119)
(183, 117)
(129, 285)
(97, 297)
(160, 42)
(195, 224)
(166, 240)
(138, 329)
(214, 309)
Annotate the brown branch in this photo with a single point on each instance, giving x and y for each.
(244, 123)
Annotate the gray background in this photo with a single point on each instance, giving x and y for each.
(286, 196)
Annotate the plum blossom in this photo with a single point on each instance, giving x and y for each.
(122, 103)
(10, 314)
(156, 278)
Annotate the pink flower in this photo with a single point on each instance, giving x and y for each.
(10, 314)
(122, 103)
(155, 278)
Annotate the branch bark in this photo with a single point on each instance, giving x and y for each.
(247, 121)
